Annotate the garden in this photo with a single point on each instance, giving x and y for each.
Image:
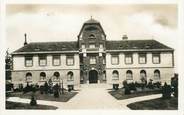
(47, 92)
(168, 100)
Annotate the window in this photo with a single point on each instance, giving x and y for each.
(104, 75)
(56, 60)
(101, 45)
(143, 76)
(142, 58)
(56, 76)
(70, 60)
(91, 36)
(128, 59)
(115, 59)
(93, 60)
(28, 77)
(156, 75)
(42, 60)
(70, 76)
(29, 61)
(91, 45)
(104, 60)
(156, 58)
(42, 76)
(129, 75)
(83, 46)
(115, 75)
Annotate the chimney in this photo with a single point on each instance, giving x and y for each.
(25, 42)
(125, 37)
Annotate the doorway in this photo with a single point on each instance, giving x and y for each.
(93, 76)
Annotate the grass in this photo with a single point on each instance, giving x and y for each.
(156, 104)
(48, 97)
(119, 94)
(15, 105)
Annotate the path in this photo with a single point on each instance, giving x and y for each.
(91, 97)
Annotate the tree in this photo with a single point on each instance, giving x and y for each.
(166, 91)
(174, 84)
(8, 65)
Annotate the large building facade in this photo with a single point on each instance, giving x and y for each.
(92, 59)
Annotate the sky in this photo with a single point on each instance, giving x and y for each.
(62, 22)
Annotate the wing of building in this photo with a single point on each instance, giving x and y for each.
(92, 59)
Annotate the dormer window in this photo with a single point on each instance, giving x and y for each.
(91, 45)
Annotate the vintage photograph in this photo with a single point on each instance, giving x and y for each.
(91, 56)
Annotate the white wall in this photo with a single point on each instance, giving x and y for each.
(19, 64)
(166, 61)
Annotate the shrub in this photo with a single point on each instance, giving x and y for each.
(41, 89)
(132, 86)
(115, 86)
(46, 87)
(150, 84)
(166, 91)
(28, 88)
(70, 88)
(33, 101)
(157, 85)
(56, 90)
(138, 85)
(127, 90)
(174, 84)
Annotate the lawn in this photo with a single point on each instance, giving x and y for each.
(119, 94)
(48, 97)
(156, 104)
(15, 105)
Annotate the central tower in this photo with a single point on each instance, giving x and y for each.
(92, 43)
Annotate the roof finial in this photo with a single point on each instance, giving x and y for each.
(25, 42)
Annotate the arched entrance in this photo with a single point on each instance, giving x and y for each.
(93, 76)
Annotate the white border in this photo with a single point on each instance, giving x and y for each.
(180, 61)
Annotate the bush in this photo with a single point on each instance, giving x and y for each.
(33, 101)
(27, 89)
(127, 90)
(41, 89)
(70, 88)
(166, 91)
(157, 85)
(174, 84)
(46, 87)
(150, 84)
(138, 85)
(115, 86)
(56, 90)
(132, 86)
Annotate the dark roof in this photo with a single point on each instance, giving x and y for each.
(135, 44)
(48, 46)
(91, 21)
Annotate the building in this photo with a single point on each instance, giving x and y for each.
(92, 59)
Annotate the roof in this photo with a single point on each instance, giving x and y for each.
(48, 46)
(45, 47)
(135, 45)
(91, 21)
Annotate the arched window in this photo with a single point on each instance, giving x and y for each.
(115, 75)
(129, 75)
(104, 75)
(143, 76)
(156, 75)
(91, 36)
(70, 76)
(28, 77)
(42, 76)
(56, 76)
